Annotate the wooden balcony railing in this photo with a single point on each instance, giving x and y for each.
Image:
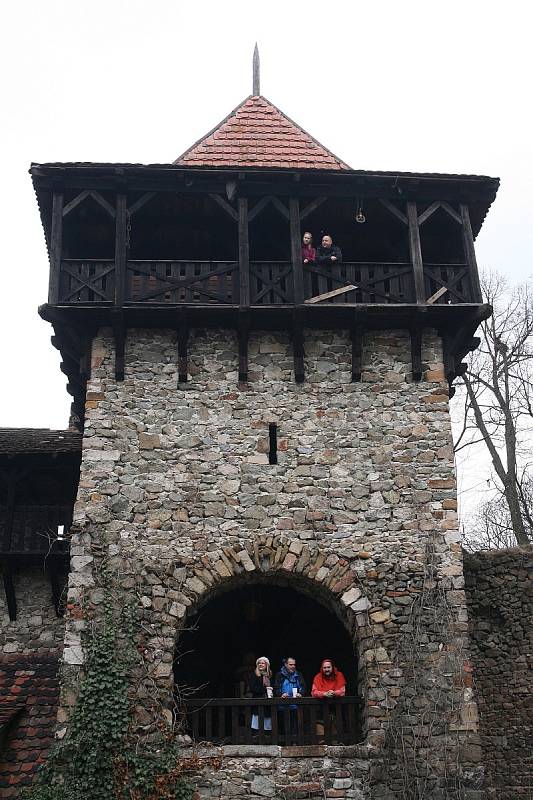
(302, 721)
(271, 282)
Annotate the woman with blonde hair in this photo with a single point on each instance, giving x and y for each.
(260, 685)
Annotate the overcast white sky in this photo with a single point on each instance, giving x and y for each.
(413, 86)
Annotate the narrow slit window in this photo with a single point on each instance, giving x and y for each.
(273, 441)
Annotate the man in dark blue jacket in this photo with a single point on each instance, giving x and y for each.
(289, 682)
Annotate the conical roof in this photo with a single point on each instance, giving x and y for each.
(257, 134)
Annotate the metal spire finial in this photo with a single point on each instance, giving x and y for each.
(256, 90)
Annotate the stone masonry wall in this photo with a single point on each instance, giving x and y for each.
(176, 490)
(499, 586)
(30, 650)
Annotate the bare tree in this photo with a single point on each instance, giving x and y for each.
(498, 403)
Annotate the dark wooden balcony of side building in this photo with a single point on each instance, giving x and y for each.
(39, 473)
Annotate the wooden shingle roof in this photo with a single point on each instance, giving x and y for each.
(16, 441)
(257, 134)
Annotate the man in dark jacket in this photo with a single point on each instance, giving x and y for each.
(327, 252)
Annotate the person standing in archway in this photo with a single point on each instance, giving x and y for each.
(329, 682)
(289, 682)
(260, 685)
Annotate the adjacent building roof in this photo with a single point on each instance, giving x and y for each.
(258, 134)
(17, 441)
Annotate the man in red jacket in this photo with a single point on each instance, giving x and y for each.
(329, 682)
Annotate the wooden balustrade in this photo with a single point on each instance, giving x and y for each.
(300, 721)
(33, 529)
(271, 283)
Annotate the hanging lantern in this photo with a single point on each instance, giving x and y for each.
(359, 216)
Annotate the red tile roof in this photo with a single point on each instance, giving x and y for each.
(257, 134)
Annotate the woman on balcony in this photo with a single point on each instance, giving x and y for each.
(260, 686)
(308, 251)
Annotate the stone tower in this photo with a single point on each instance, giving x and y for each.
(267, 456)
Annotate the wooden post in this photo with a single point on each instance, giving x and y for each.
(298, 348)
(416, 253)
(9, 589)
(296, 250)
(244, 254)
(56, 244)
(121, 223)
(470, 254)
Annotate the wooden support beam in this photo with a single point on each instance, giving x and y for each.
(470, 254)
(56, 244)
(244, 336)
(357, 334)
(311, 207)
(296, 251)
(183, 339)
(448, 355)
(86, 359)
(395, 211)
(416, 353)
(298, 348)
(121, 225)
(244, 254)
(416, 253)
(9, 589)
(230, 211)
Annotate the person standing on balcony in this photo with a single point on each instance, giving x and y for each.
(260, 685)
(308, 251)
(329, 682)
(289, 682)
(327, 252)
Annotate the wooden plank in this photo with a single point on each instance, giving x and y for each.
(470, 254)
(296, 251)
(121, 224)
(328, 295)
(416, 253)
(10, 512)
(244, 254)
(438, 294)
(416, 353)
(275, 735)
(259, 207)
(56, 244)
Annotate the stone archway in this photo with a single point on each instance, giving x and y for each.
(268, 614)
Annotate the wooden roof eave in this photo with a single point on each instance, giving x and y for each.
(478, 189)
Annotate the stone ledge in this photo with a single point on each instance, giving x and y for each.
(278, 751)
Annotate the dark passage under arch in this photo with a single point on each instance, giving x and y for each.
(224, 637)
